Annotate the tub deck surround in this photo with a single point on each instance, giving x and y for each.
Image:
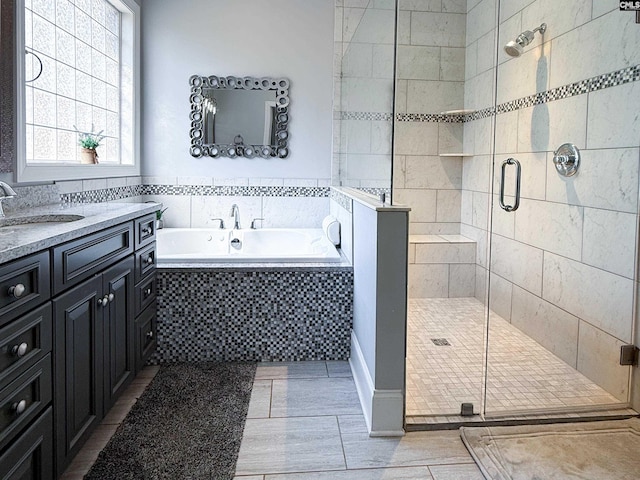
(269, 245)
(18, 241)
(278, 312)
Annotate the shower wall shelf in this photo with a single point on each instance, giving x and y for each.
(458, 112)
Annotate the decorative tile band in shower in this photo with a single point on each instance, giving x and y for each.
(118, 193)
(430, 117)
(258, 315)
(607, 80)
(373, 116)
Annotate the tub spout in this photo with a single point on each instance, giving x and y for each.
(235, 213)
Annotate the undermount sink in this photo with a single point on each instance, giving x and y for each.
(32, 220)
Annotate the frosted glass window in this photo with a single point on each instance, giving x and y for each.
(78, 42)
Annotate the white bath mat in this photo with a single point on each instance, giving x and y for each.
(593, 450)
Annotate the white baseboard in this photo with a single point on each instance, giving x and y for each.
(383, 409)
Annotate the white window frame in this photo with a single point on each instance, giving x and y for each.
(129, 120)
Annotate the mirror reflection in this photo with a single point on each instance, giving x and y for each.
(239, 117)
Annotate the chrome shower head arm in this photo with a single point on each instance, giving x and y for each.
(542, 28)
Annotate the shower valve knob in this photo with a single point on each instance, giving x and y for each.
(567, 159)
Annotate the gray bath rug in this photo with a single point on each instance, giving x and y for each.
(592, 450)
(188, 424)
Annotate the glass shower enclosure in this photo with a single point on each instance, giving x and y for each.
(510, 128)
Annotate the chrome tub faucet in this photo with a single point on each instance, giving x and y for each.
(235, 213)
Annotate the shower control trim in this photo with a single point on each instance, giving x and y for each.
(567, 159)
(516, 204)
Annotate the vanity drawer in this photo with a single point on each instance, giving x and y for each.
(79, 259)
(24, 284)
(145, 336)
(145, 230)
(145, 294)
(145, 262)
(31, 454)
(23, 399)
(23, 342)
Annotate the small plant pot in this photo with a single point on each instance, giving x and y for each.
(159, 224)
(88, 156)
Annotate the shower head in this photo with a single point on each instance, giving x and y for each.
(515, 47)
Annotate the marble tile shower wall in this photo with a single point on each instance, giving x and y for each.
(364, 43)
(563, 265)
(430, 80)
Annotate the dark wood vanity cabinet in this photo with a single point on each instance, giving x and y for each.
(71, 342)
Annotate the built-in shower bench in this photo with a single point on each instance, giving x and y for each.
(441, 266)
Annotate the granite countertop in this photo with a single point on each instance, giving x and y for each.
(18, 239)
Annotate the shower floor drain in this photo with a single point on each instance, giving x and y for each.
(441, 342)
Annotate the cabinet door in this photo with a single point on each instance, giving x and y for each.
(78, 327)
(30, 456)
(119, 359)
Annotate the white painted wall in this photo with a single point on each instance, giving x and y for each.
(278, 38)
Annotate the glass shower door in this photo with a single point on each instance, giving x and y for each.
(564, 208)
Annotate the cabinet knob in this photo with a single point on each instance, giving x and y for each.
(147, 292)
(103, 302)
(17, 291)
(149, 259)
(19, 350)
(111, 297)
(147, 231)
(18, 408)
(150, 334)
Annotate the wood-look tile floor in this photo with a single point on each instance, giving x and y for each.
(305, 423)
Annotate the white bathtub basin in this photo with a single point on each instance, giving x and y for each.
(268, 245)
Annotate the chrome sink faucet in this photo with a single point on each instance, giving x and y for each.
(235, 213)
(5, 192)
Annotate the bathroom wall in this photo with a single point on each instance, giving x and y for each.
(430, 80)
(563, 265)
(280, 38)
(363, 106)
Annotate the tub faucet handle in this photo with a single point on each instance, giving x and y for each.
(219, 220)
(253, 222)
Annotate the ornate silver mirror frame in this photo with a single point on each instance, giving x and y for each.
(200, 102)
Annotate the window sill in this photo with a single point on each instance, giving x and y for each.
(45, 173)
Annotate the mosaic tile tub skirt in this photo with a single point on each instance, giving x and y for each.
(255, 315)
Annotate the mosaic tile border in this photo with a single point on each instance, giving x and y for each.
(102, 195)
(236, 191)
(260, 315)
(372, 116)
(342, 200)
(600, 82)
(119, 193)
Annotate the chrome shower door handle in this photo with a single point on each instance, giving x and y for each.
(514, 207)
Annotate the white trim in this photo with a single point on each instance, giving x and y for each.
(130, 143)
(388, 413)
(362, 379)
(383, 409)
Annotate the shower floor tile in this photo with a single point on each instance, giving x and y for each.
(522, 375)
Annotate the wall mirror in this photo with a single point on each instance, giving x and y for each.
(239, 117)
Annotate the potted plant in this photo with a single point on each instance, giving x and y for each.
(88, 142)
(159, 220)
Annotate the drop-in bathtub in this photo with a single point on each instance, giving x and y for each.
(267, 245)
